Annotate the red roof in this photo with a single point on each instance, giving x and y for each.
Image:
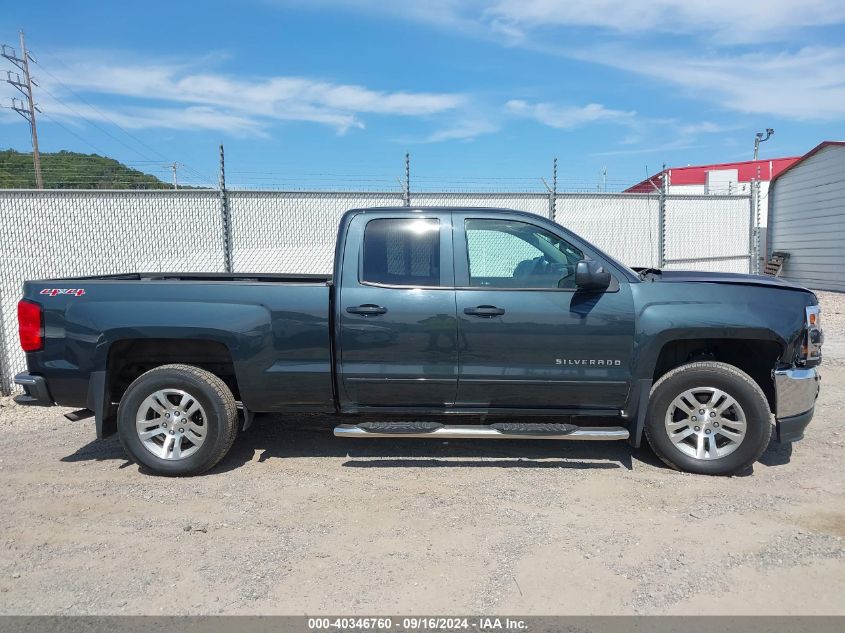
(652, 184)
(697, 175)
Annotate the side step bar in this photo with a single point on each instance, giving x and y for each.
(500, 430)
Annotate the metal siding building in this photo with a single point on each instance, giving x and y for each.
(807, 218)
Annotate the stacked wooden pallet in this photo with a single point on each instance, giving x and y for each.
(774, 266)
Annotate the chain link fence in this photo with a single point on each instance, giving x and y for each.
(292, 232)
(66, 233)
(625, 225)
(711, 232)
(46, 234)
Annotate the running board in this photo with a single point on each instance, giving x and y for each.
(500, 430)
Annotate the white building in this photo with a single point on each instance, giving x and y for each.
(807, 217)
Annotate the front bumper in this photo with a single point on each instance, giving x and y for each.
(796, 391)
(35, 391)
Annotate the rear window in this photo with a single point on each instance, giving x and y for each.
(402, 252)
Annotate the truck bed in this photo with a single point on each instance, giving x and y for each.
(289, 278)
(269, 332)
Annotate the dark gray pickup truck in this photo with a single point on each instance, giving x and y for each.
(500, 321)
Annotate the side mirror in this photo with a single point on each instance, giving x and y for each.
(589, 275)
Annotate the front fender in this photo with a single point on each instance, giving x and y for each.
(673, 312)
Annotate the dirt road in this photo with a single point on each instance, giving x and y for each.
(297, 521)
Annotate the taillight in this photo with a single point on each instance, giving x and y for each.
(30, 326)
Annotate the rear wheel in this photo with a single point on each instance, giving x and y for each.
(709, 418)
(177, 420)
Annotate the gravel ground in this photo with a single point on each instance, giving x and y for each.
(296, 521)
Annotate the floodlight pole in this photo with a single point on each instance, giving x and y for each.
(760, 138)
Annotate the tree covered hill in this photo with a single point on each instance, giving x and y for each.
(71, 170)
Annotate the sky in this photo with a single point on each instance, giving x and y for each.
(483, 94)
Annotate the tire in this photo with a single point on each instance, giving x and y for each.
(733, 435)
(177, 420)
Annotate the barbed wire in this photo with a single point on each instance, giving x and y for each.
(82, 171)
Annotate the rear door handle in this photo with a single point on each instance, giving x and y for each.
(367, 309)
(485, 311)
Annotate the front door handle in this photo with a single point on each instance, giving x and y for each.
(485, 311)
(367, 309)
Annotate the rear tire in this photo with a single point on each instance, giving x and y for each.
(177, 420)
(708, 418)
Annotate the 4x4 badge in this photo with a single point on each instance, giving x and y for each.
(76, 292)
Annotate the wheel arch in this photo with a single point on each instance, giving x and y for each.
(756, 353)
(756, 357)
(128, 358)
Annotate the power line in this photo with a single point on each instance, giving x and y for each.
(88, 119)
(147, 160)
(105, 131)
(71, 132)
(113, 122)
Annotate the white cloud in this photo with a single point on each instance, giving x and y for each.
(569, 117)
(806, 84)
(728, 20)
(680, 144)
(706, 127)
(218, 101)
(464, 130)
(461, 14)
(750, 56)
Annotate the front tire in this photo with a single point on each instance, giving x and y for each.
(708, 418)
(177, 420)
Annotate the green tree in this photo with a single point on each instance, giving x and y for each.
(71, 170)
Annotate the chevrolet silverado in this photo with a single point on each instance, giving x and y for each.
(437, 323)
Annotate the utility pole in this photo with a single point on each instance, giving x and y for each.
(604, 179)
(759, 138)
(27, 107)
(174, 167)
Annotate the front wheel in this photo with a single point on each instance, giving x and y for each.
(177, 420)
(708, 418)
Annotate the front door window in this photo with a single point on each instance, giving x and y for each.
(512, 254)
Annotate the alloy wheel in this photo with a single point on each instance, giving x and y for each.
(171, 424)
(705, 423)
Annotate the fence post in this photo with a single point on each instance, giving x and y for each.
(407, 187)
(226, 215)
(661, 224)
(755, 220)
(5, 370)
(552, 191)
(754, 227)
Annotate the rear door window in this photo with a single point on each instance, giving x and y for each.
(402, 252)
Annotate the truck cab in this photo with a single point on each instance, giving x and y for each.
(460, 311)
